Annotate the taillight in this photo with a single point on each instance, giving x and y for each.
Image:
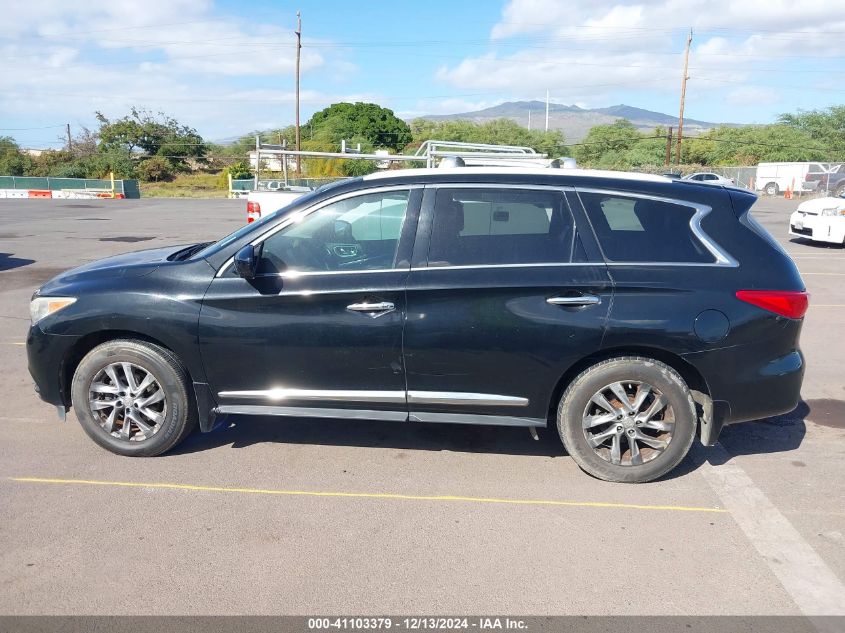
(791, 304)
(253, 212)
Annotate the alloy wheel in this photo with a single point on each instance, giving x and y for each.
(628, 423)
(127, 401)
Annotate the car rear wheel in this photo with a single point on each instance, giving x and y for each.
(771, 189)
(133, 398)
(628, 419)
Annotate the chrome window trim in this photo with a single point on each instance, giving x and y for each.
(722, 258)
(300, 215)
(527, 265)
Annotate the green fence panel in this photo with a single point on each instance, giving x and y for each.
(7, 182)
(130, 188)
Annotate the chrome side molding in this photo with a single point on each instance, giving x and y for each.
(390, 397)
(466, 399)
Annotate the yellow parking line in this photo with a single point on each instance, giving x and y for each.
(11, 343)
(368, 495)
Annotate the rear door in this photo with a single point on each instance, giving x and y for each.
(502, 299)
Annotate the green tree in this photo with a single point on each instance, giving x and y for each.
(155, 169)
(153, 135)
(13, 162)
(749, 145)
(826, 126)
(608, 145)
(377, 126)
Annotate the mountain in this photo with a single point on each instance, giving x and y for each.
(574, 121)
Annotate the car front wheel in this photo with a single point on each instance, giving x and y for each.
(628, 419)
(133, 398)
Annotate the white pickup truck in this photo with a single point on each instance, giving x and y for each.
(271, 199)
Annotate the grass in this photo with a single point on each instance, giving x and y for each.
(192, 185)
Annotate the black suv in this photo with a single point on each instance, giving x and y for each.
(631, 311)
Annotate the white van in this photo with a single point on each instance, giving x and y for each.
(775, 178)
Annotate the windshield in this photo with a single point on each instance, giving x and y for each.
(222, 243)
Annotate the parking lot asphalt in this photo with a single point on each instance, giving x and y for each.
(276, 516)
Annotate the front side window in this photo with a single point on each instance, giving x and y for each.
(358, 233)
(500, 226)
(633, 229)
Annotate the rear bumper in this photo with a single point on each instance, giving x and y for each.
(46, 356)
(743, 390)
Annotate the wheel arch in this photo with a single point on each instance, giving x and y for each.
(91, 340)
(694, 379)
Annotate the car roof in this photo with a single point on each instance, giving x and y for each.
(517, 171)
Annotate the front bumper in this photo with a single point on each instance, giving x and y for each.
(46, 357)
(819, 228)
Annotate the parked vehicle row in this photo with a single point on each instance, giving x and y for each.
(631, 312)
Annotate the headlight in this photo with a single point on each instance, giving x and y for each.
(833, 212)
(40, 307)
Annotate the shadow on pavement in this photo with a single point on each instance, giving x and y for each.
(822, 245)
(780, 434)
(7, 262)
(244, 431)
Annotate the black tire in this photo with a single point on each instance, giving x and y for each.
(840, 191)
(578, 394)
(180, 416)
(771, 189)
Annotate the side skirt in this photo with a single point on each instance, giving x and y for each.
(389, 416)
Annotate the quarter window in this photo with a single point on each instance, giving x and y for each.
(500, 226)
(644, 230)
(359, 233)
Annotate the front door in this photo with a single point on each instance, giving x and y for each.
(502, 301)
(318, 332)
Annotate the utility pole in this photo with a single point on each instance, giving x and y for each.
(668, 147)
(547, 110)
(529, 119)
(69, 141)
(298, 50)
(683, 97)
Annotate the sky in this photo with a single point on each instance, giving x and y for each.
(226, 67)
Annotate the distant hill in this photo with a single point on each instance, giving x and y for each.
(574, 121)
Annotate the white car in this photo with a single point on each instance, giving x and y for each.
(710, 178)
(821, 220)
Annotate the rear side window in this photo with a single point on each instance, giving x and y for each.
(500, 226)
(631, 229)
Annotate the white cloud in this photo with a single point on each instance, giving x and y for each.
(586, 50)
(180, 56)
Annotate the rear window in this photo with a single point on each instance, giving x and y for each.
(631, 229)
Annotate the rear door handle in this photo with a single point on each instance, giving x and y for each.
(578, 300)
(380, 306)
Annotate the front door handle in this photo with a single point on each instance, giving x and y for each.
(577, 300)
(379, 306)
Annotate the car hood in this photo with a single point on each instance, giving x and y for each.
(134, 264)
(816, 206)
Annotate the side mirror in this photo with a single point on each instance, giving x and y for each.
(246, 262)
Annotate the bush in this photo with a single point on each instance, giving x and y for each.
(155, 169)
